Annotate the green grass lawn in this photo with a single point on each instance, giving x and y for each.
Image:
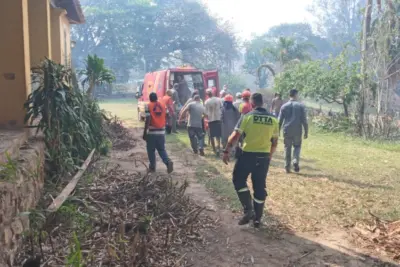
(125, 109)
(342, 178)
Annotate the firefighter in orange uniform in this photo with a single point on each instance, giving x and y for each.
(154, 133)
(171, 116)
(245, 107)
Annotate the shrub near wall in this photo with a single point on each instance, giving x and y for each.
(72, 122)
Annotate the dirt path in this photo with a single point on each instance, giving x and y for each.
(229, 245)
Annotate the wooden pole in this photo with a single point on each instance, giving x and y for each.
(60, 199)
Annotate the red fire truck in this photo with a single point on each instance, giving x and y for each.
(160, 81)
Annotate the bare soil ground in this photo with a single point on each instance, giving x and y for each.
(229, 245)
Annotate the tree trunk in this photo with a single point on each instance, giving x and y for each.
(346, 109)
(363, 94)
(90, 90)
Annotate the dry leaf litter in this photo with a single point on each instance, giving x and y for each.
(382, 236)
(129, 219)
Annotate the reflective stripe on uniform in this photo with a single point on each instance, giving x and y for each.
(258, 201)
(152, 128)
(245, 189)
(158, 131)
(238, 130)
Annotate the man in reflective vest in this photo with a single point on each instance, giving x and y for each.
(261, 131)
(154, 133)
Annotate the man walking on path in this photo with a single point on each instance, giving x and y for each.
(195, 124)
(169, 105)
(213, 108)
(229, 117)
(276, 105)
(261, 138)
(177, 106)
(154, 133)
(293, 117)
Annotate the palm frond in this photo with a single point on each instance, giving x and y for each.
(71, 122)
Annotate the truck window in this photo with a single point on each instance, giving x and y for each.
(189, 81)
(211, 83)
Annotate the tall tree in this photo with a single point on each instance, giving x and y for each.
(333, 80)
(254, 57)
(147, 34)
(300, 34)
(303, 33)
(339, 20)
(285, 49)
(95, 73)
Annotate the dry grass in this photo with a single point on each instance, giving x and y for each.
(341, 180)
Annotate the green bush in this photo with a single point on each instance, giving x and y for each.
(335, 123)
(72, 122)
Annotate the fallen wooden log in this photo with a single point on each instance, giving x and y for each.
(60, 199)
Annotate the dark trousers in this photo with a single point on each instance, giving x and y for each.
(295, 143)
(173, 123)
(168, 129)
(156, 142)
(196, 136)
(256, 164)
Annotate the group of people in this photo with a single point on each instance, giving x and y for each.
(244, 127)
(215, 118)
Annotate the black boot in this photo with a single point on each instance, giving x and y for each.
(245, 199)
(259, 209)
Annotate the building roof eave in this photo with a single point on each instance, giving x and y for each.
(73, 8)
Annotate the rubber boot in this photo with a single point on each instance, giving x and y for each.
(259, 209)
(296, 167)
(170, 166)
(245, 199)
(202, 152)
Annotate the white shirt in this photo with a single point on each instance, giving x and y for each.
(237, 103)
(213, 109)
